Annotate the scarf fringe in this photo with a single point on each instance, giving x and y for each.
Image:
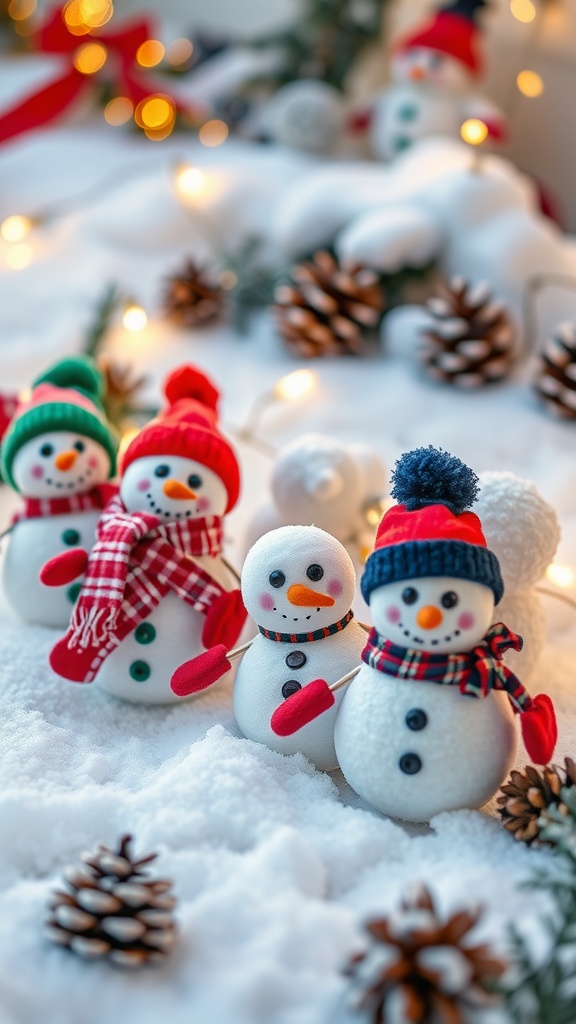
(92, 627)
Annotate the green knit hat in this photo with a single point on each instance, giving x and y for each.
(67, 397)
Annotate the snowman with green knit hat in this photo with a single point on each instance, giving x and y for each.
(427, 722)
(58, 453)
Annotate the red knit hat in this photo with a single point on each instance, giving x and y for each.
(452, 31)
(188, 427)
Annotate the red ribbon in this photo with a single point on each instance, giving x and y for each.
(47, 103)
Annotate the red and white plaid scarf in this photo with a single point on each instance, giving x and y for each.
(474, 673)
(135, 562)
(38, 508)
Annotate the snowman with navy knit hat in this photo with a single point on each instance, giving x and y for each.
(156, 591)
(427, 724)
(433, 70)
(58, 453)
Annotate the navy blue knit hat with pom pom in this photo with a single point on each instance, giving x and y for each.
(430, 532)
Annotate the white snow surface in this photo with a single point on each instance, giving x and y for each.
(275, 865)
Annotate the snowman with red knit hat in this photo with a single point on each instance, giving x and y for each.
(433, 71)
(427, 723)
(156, 591)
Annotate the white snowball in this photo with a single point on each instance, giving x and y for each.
(305, 115)
(521, 528)
(523, 613)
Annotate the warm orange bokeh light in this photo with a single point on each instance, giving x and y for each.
(213, 133)
(90, 57)
(119, 110)
(150, 53)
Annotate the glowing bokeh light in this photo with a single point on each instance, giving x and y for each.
(530, 84)
(119, 110)
(19, 256)
(474, 131)
(561, 575)
(179, 51)
(15, 228)
(213, 133)
(295, 385)
(19, 10)
(90, 57)
(523, 10)
(190, 181)
(150, 53)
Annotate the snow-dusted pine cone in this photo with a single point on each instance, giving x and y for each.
(420, 967)
(471, 340)
(112, 909)
(556, 373)
(526, 797)
(326, 310)
(193, 296)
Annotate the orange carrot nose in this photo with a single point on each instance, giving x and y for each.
(65, 460)
(429, 617)
(298, 594)
(417, 74)
(174, 489)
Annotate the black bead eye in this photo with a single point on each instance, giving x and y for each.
(277, 578)
(194, 481)
(46, 450)
(79, 446)
(409, 595)
(162, 470)
(314, 572)
(449, 599)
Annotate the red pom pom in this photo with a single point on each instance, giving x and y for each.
(200, 672)
(539, 729)
(302, 707)
(64, 568)
(188, 382)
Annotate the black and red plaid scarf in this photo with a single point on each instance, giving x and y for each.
(94, 500)
(475, 672)
(135, 562)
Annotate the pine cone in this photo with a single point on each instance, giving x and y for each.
(556, 373)
(525, 798)
(419, 970)
(112, 909)
(121, 389)
(192, 296)
(472, 340)
(327, 310)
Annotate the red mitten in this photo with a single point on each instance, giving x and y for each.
(64, 568)
(200, 672)
(302, 707)
(539, 729)
(224, 620)
(73, 664)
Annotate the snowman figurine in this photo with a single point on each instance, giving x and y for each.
(298, 584)
(156, 590)
(422, 727)
(433, 70)
(57, 453)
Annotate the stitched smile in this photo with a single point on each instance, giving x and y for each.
(421, 640)
(69, 485)
(159, 511)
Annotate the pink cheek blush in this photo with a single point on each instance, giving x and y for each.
(335, 588)
(143, 485)
(93, 462)
(203, 504)
(466, 620)
(266, 602)
(37, 472)
(393, 614)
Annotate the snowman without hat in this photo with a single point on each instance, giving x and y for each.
(433, 69)
(58, 453)
(298, 584)
(427, 722)
(156, 590)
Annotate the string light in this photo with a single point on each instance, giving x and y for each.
(474, 131)
(119, 110)
(156, 115)
(19, 10)
(90, 57)
(19, 256)
(190, 181)
(150, 53)
(15, 228)
(530, 84)
(82, 16)
(561, 575)
(213, 133)
(295, 385)
(523, 10)
(134, 318)
(179, 51)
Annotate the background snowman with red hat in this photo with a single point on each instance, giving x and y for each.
(433, 72)
(157, 591)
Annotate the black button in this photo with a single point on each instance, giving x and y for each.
(416, 719)
(296, 659)
(410, 764)
(292, 686)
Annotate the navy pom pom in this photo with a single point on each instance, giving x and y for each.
(429, 476)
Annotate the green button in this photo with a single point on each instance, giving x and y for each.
(408, 112)
(140, 670)
(73, 591)
(145, 633)
(71, 538)
(401, 142)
